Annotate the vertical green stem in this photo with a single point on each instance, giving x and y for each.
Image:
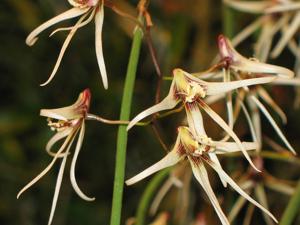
(122, 133)
(293, 208)
(228, 21)
(148, 196)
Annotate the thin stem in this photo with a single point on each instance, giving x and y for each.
(122, 133)
(148, 195)
(228, 21)
(114, 122)
(292, 210)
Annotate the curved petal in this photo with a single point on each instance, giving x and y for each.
(215, 88)
(98, 44)
(71, 13)
(287, 35)
(170, 159)
(230, 147)
(69, 140)
(273, 123)
(215, 159)
(73, 164)
(195, 119)
(63, 49)
(230, 132)
(200, 174)
(238, 189)
(248, 6)
(167, 103)
(57, 137)
(291, 6)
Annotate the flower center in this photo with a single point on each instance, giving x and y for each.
(60, 124)
(194, 91)
(205, 144)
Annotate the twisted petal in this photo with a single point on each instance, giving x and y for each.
(167, 103)
(273, 123)
(98, 44)
(170, 159)
(248, 6)
(238, 189)
(73, 164)
(71, 13)
(287, 35)
(200, 174)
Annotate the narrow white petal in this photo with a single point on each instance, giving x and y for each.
(58, 185)
(214, 88)
(87, 21)
(200, 174)
(262, 198)
(195, 120)
(229, 100)
(248, 6)
(291, 6)
(169, 160)
(167, 103)
(285, 81)
(264, 42)
(99, 18)
(213, 99)
(68, 141)
(250, 123)
(58, 136)
(215, 159)
(238, 189)
(294, 26)
(71, 13)
(268, 99)
(230, 147)
(63, 49)
(256, 121)
(73, 165)
(273, 123)
(230, 132)
(247, 31)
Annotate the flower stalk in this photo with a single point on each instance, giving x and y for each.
(122, 133)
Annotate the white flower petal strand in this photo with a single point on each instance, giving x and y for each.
(200, 174)
(99, 17)
(73, 165)
(167, 103)
(69, 139)
(63, 49)
(230, 132)
(256, 121)
(273, 123)
(223, 147)
(239, 190)
(215, 88)
(294, 26)
(284, 81)
(195, 120)
(268, 99)
(57, 137)
(215, 159)
(291, 6)
(71, 13)
(58, 185)
(169, 160)
(248, 6)
(250, 123)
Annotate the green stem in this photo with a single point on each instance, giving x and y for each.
(228, 21)
(292, 210)
(148, 196)
(122, 132)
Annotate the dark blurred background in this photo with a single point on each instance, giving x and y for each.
(184, 35)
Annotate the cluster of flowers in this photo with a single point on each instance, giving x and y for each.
(229, 79)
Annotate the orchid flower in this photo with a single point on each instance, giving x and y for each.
(241, 68)
(276, 15)
(197, 153)
(192, 92)
(256, 183)
(87, 10)
(69, 121)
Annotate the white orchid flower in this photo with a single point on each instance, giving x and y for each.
(188, 146)
(87, 10)
(192, 92)
(69, 121)
(276, 15)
